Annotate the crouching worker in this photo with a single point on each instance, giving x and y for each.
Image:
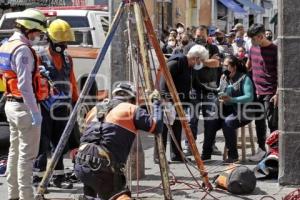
(106, 143)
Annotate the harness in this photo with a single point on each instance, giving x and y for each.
(61, 93)
(104, 160)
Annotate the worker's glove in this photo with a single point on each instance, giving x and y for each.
(43, 71)
(36, 118)
(157, 116)
(155, 96)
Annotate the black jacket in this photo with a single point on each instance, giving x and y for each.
(182, 77)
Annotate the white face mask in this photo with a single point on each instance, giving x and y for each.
(36, 40)
(180, 30)
(198, 67)
(171, 43)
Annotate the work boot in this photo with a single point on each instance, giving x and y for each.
(60, 181)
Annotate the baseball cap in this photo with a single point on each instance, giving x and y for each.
(238, 26)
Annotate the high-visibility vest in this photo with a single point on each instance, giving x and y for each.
(40, 84)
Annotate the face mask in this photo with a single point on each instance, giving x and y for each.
(220, 39)
(184, 42)
(270, 37)
(241, 55)
(36, 40)
(200, 41)
(59, 48)
(226, 72)
(171, 44)
(180, 30)
(198, 67)
(239, 41)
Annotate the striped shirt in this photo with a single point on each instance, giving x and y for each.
(264, 69)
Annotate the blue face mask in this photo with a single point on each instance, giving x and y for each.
(239, 41)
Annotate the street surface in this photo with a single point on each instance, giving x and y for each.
(148, 186)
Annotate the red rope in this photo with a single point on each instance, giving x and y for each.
(295, 195)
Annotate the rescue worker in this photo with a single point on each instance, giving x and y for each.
(24, 90)
(106, 143)
(58, 67)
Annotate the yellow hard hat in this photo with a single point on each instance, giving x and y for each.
(60, 31)
(32, 19)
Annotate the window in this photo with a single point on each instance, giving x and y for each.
(8, 23)
(105, 24)
(82, 37)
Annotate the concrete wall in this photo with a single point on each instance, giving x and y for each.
(289, 91)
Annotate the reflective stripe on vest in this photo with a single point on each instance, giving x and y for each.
(6, 52)
(40, 85)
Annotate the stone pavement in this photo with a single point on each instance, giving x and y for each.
(149, 186)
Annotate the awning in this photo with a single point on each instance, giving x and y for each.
(230, 4)
(256, 8)
(274, 19)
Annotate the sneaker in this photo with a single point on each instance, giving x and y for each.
(187, 151)
(63, 184)
(258, 156)
(216, 151)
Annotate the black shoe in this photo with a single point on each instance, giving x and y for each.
(63, 184)
(216, 151)
(231, 160)
(176, 160)
(72, 178)
(36, 181)
(205, 157)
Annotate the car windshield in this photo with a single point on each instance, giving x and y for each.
(82, 37)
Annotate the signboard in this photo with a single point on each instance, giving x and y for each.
(37, 2)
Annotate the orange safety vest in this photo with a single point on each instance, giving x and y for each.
(40, 84)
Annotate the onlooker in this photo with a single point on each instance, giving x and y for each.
(169, 46)
(204, 78)
(236, 90)
(230, 38)
(238, 42)
(180, 28)
(224, 47)
(269, 35)
(263, 64)
(239, 28)
(180, 67)
(173, 32)
(185, 44)
(241, 55)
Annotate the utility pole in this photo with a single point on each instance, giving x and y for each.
(289, 92)
(118, 47)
